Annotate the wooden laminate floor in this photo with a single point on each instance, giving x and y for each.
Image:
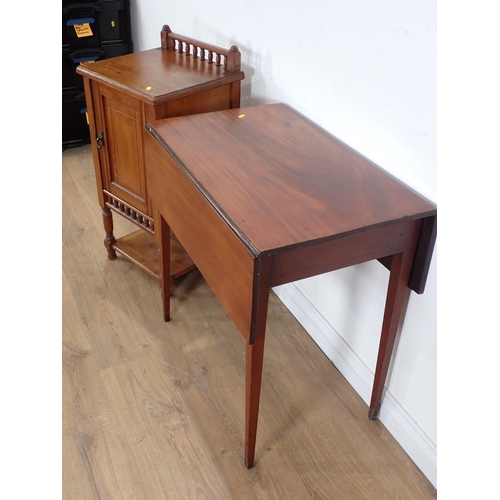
(154, 410)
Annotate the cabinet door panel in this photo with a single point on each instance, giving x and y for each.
(123, 142)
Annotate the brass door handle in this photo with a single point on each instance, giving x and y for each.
(100, 140)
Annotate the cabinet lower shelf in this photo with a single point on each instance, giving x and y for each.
(141, 249)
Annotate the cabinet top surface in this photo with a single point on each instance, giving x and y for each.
(157, 74)
(261, 160)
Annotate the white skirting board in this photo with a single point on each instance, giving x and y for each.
(420, 448)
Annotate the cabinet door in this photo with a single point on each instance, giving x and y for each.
(122, 159)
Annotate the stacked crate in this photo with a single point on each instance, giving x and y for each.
(91, 31)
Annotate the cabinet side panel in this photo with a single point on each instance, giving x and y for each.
(91, 91)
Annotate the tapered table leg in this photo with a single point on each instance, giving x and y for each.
(254, 360)
(255, 356)
(401, 266)
(164, 259)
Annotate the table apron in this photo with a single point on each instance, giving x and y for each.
(325, 256)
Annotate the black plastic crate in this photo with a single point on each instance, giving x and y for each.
(76, 15)
(71, 81)
(112, 23)
(105, 20)
(75, 129)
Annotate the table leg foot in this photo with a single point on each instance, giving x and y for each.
(373, 414)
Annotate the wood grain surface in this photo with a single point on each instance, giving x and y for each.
(271, 160)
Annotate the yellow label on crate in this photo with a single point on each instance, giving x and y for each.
(83, 30)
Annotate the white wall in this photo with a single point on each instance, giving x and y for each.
(366, 72)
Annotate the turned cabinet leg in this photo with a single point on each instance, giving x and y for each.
(401, 265)
(109, 240)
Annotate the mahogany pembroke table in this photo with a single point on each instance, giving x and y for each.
(259, 197)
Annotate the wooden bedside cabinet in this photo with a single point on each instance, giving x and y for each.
(184, 76)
